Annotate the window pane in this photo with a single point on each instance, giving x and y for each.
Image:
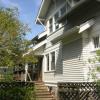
(50, 21)
(68, 6)
(56, 16)
(53, 61)
(63, 10)
(51, 28)
(50, 25)
(47, 62)
(56, 26)
(96, 42)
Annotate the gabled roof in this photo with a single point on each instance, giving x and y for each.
(43, 10)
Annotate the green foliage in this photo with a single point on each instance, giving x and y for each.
(96, 69)
(17, 93)
(12, 42)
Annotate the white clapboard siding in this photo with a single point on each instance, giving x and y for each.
(88, 46)
(72, 62)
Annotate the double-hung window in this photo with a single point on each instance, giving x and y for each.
(96, 41)
(51, 25)
(50, 61)
(63, 10)
(47, 62)
(53, 61)
(56, 16)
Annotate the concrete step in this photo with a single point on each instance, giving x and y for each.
(44, 99)
(44, 96)
(41, 89)
(42, 92)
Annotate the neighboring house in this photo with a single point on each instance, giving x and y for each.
(72, 35)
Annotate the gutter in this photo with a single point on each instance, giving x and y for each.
(42, 2)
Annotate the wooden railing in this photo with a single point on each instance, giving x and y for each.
(78, 91)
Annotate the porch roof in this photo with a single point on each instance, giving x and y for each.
(79, 29)
(39, 45)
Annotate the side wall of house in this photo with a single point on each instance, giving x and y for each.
(88, 46)
(72, 61)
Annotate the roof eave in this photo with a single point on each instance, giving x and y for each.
(42, 11)
(38, 16)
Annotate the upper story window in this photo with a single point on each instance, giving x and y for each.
(68, 6)
(63, 10)
(56, 16)
(51, 25)
(96, 41)
(53, 61)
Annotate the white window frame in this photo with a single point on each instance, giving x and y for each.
(51, 25)
(50, 58)
(55, 22)
(94, 49)
(47, 66)
(54, 61)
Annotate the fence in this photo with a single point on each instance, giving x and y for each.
(78, 91)
(17, 91)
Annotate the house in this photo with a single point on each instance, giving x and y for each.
(71, 37)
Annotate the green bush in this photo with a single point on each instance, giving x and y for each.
(17, 93)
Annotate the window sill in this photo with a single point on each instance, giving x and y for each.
(52, 71)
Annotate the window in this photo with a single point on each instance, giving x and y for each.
(47, 62)
(51, 25)
(96, 42)
(53, 61)
(68, 6)
(63, 10)
(56, 18)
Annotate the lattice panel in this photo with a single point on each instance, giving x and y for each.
(78, 91)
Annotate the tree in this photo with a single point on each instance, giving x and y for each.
(12, 41)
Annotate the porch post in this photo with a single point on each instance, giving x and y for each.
(26, 71)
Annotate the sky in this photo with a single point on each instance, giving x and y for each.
(28, 10)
